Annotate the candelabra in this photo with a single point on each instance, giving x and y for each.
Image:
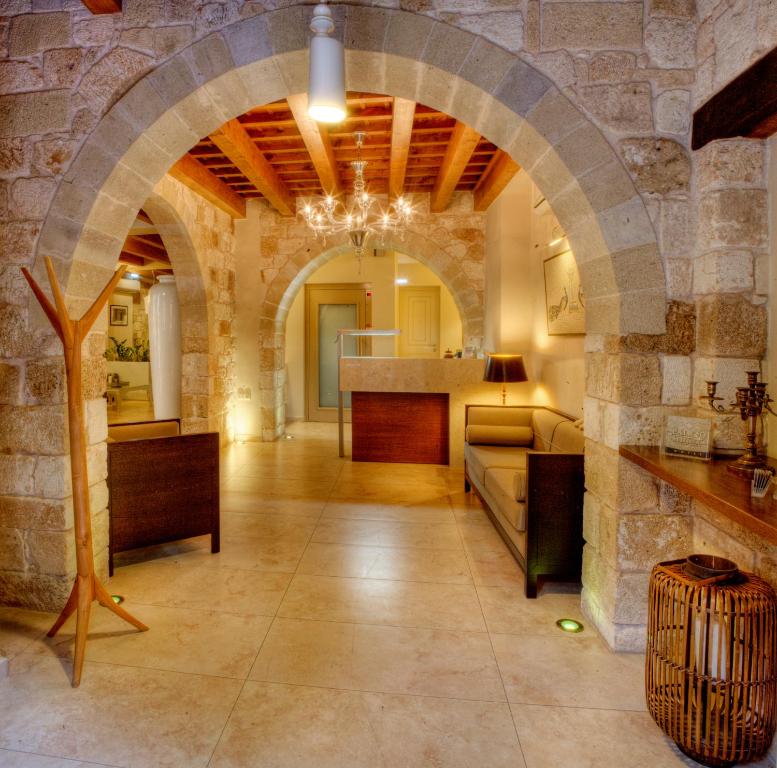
(751, 401)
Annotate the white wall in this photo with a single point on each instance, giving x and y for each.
(517, 240)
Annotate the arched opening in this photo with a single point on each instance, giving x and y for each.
(504, 98)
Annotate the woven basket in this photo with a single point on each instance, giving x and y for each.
(711, 663)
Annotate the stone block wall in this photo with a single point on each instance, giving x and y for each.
(628, 70)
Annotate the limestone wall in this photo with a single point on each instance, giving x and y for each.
(612, 117)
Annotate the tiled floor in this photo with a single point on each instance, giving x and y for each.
(358, 615)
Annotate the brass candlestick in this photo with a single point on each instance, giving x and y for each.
(750, 403)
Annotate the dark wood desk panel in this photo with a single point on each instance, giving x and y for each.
(409, 427)
(712, 485)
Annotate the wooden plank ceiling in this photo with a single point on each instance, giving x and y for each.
(276, 152)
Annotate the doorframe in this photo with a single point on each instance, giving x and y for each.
(365, 344)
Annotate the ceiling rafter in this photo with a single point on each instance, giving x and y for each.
(233, 140)
(318, 144)
(401, 133)
(199, 179)
(464, 140)
(495, 178)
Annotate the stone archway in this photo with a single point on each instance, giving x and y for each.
(195, 313)
(282, 291)
(264, 58)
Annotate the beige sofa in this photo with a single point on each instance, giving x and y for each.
(526, 465)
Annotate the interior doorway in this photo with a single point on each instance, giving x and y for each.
(419, 321)
(328, 308)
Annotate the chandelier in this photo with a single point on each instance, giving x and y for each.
(364, 217)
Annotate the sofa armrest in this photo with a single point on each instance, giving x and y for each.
(554, 509)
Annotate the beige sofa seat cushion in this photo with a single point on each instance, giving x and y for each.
(567, 438)
(492, 434)
(499, 483)
(120, 433)
(544, 424)
(482, 457)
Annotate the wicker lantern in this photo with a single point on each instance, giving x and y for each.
(711, 662)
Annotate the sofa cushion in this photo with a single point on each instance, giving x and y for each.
(499, 483)
(567, 438)
(493, 434)
(503, 416)
(119, 433)
(544, 424)
(481, 457)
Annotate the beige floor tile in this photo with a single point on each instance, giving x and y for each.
(247, 525)
(303, 510)
(10, 759)
(570, 670)
(508, 611)
(592, 738)
(436, 511)
(297, 727)
(373, 601)
(494, 568)
(122, 716)
(222, 589)
(481, 537)
(382, 659)
(387, 533)
(178, 640)
(274, 555)
(403, 564)
(19, 628)
(279, 487)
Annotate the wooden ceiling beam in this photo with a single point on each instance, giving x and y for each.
(494, 179)
(401, 132)
(233, 140)
(462, 144)
(199, 179)
(138, 247)
(318, 144)
(102, 6)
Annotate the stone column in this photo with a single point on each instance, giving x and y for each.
(730, 273)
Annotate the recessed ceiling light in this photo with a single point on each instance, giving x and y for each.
(401, 281)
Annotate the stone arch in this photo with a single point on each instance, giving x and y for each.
(196, 315)
(263, 58)
(284, 288)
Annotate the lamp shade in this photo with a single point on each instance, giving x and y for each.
(505, 368)
(326, 82)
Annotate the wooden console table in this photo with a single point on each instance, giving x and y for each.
(712, 485)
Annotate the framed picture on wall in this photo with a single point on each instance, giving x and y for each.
(119, 314)
(564, 300)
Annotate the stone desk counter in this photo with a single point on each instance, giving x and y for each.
(461, 380)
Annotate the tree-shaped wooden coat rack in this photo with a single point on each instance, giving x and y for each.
(87, 586)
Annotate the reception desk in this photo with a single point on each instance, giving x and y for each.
(461, 380)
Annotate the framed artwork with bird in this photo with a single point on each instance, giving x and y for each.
(564, 299)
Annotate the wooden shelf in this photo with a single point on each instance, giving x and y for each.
(712, 485)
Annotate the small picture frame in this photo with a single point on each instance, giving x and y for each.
(687, 437)
(118, 314)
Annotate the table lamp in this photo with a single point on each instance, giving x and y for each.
(503, 369)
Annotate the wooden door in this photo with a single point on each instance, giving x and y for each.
(328, 308)
(419, 321)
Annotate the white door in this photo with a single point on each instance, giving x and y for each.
(419, 321)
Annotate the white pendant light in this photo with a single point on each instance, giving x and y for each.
(326, 84)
